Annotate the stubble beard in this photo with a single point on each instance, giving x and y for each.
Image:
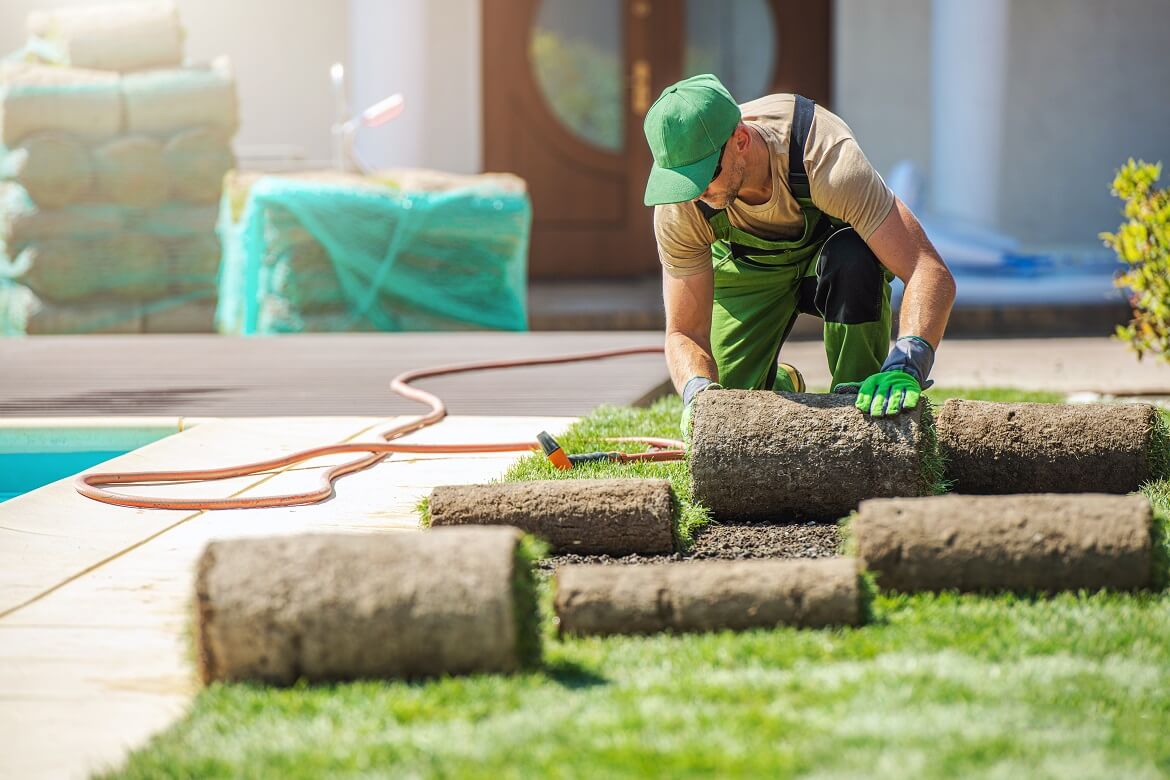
(738, 172)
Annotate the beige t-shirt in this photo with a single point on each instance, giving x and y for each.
(842, 181)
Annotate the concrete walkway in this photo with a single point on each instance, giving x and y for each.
(95, 600)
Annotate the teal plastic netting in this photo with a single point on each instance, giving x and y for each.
(321, 255)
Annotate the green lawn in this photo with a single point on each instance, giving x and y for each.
(937, 686)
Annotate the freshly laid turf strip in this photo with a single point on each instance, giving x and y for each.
(1049, 448)
(338, 607)
(1041, 542)
(708, 596)
(595, 516)
(759, 455)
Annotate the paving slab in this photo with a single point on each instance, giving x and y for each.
(51, 534)
(99, 659)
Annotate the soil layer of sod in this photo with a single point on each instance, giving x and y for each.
(733, 542)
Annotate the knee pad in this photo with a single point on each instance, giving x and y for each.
(850, 284)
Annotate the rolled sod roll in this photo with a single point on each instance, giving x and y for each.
(708, 596)
(339, 607)
(108, 317)
(190, 317)
(175, 220)
(119, 37)
(759, 455)
(304, 274)
(428, 180)
(192, 262)
(1042, 542)
(36, 98)
(196, 163)
(22, 222)
(1049, 448)
(165, 102)
(588, 516)
(54, 168)
(125, 267)
(130, 171)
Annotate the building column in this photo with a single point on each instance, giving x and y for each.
(388, 54)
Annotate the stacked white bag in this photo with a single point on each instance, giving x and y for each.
(112, 158)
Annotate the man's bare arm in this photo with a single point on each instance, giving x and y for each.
(688, 302)
(902, 246)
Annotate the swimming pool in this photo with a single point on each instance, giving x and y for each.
(35, 453)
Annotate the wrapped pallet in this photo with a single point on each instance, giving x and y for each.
(165, 102)
(336, 252)
(112, 161)
(120, 37)
(36, 98)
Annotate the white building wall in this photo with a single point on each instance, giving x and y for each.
(388, 49)
(1085, 91)
(881, 77)
(454, 81)
(429, 50)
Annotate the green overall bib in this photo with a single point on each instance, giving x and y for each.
(762, 285)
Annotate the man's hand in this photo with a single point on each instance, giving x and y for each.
(899, 384)
(695, 386)
(888, 393)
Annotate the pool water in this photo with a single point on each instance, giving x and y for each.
(21, 472)
(34, 453)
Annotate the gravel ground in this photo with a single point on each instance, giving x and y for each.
(734, 542)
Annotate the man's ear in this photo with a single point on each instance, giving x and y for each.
(742, 138)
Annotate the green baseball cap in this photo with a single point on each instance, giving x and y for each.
(686, 127)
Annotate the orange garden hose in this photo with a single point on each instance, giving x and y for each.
(89, 484)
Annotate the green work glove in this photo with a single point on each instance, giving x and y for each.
(888, 393)
(695, 386)
(901, 380)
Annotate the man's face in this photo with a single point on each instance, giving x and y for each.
(724, 188)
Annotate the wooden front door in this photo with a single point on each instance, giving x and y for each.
(568, 82)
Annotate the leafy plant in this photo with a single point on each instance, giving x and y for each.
(1142, 242)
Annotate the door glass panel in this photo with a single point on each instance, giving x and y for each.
(576, 53)
(735, 40)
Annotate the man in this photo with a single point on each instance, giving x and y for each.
(769, 209)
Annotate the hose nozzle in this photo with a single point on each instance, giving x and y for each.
(553, 451)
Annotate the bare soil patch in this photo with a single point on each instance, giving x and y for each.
(724, 541)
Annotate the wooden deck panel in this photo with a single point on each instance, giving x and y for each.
(317, 374)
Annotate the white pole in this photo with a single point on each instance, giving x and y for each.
(968, 73)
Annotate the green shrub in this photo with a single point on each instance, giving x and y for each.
(1142, 242)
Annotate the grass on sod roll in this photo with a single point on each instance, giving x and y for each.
(527, 598)
(943, 686)
(589, 435)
